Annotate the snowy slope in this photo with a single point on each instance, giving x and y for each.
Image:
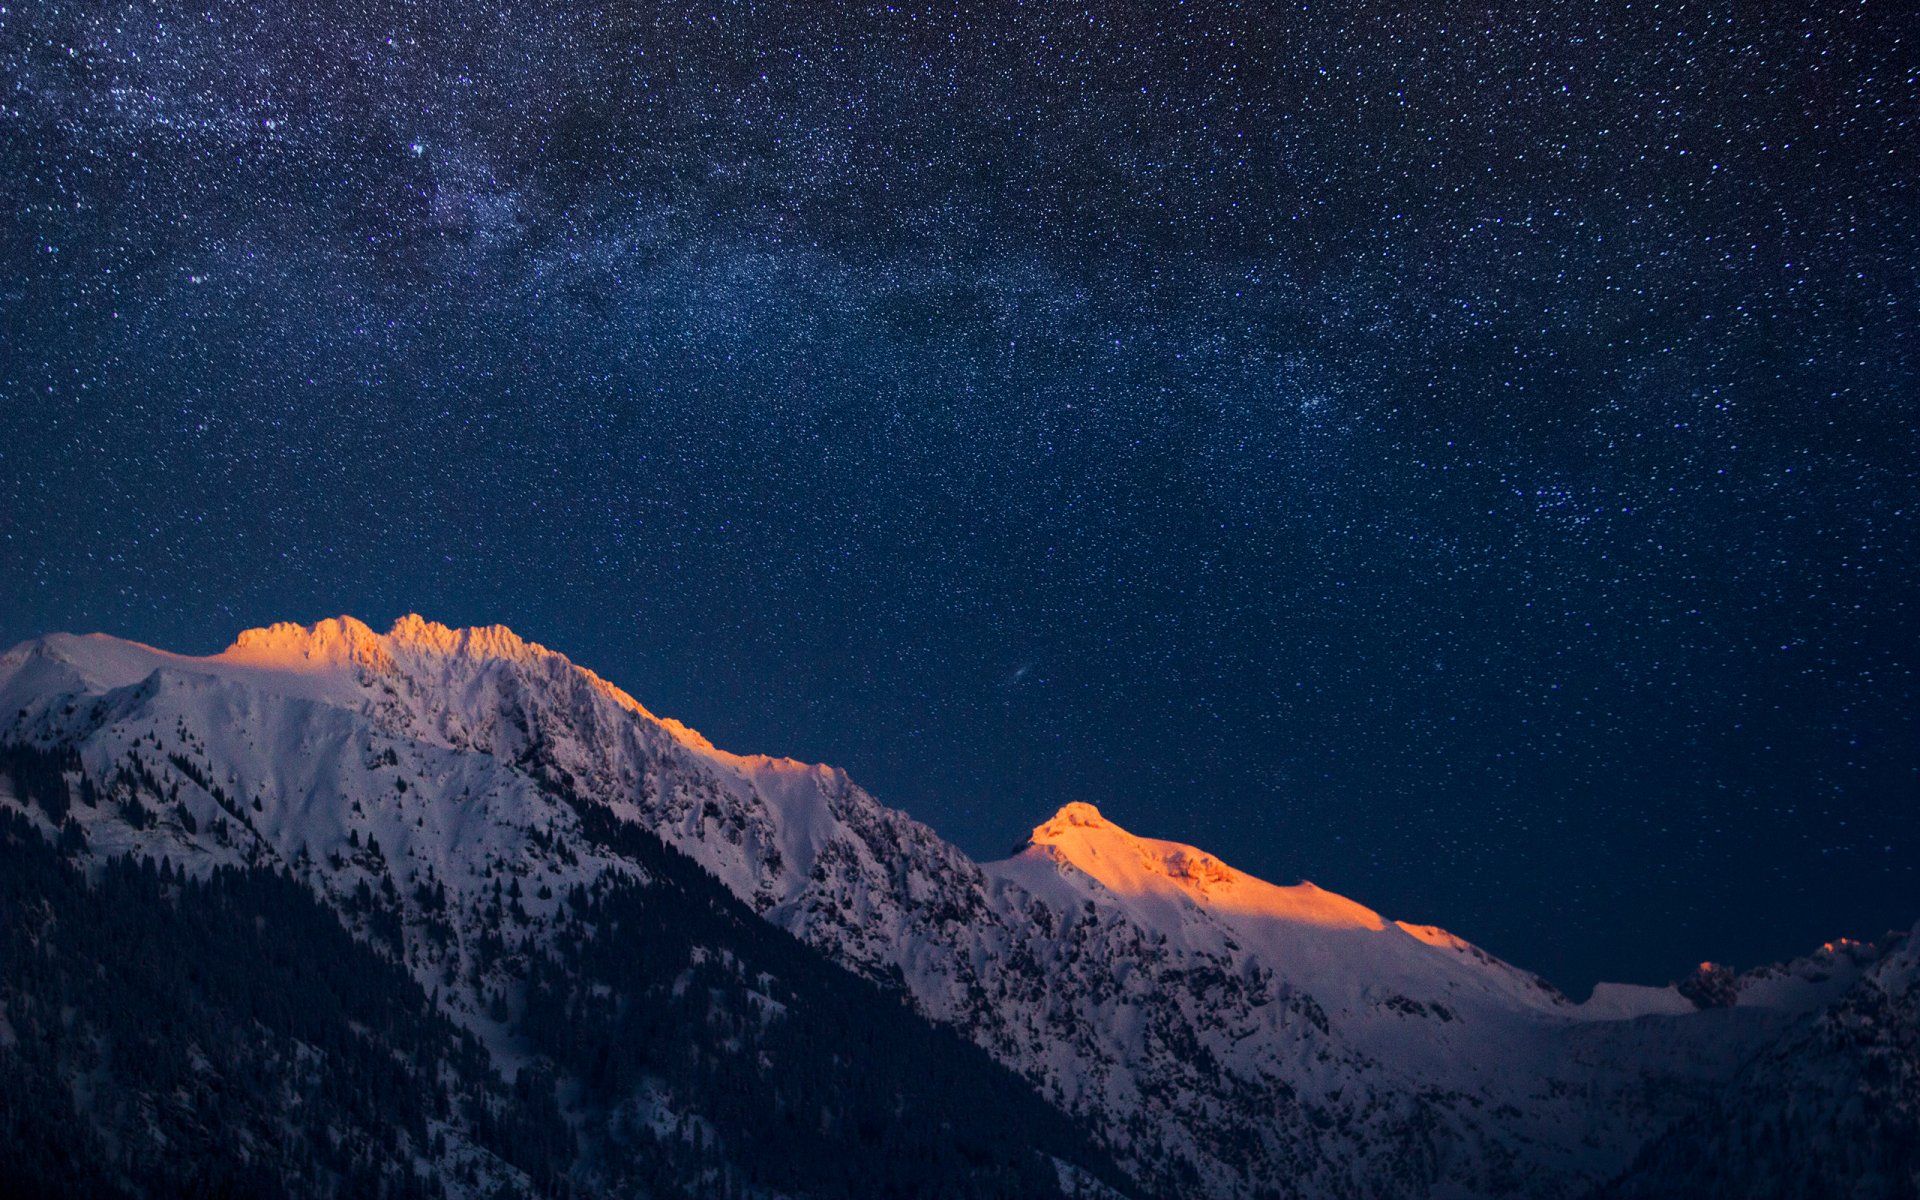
(1225, 1036)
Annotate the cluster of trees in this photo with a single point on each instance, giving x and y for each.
(787, 1072)
(225, 1035)
(40, 776)
(759, 1067)
(166, 1034)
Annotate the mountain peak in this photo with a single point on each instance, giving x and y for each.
(349, 640)
(1150, 869)
(479, 641)
(1073, 813)
(417, 643)
(288, 644)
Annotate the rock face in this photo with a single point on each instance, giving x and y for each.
(1220, 1035)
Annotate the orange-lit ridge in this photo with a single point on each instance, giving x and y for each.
(1149, 868)
(345, 640)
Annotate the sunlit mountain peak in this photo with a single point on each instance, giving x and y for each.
(1079, 836)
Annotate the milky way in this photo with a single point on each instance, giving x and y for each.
(1467, 458)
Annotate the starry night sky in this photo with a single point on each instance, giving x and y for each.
(1463, 455)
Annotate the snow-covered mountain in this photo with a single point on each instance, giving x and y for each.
(1218, 1034)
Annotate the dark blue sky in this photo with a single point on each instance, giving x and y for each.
(1464, 458)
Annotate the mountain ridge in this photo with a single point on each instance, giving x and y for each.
(345, 642)
(1221, 1035)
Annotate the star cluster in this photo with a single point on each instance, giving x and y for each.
(1464, 455)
